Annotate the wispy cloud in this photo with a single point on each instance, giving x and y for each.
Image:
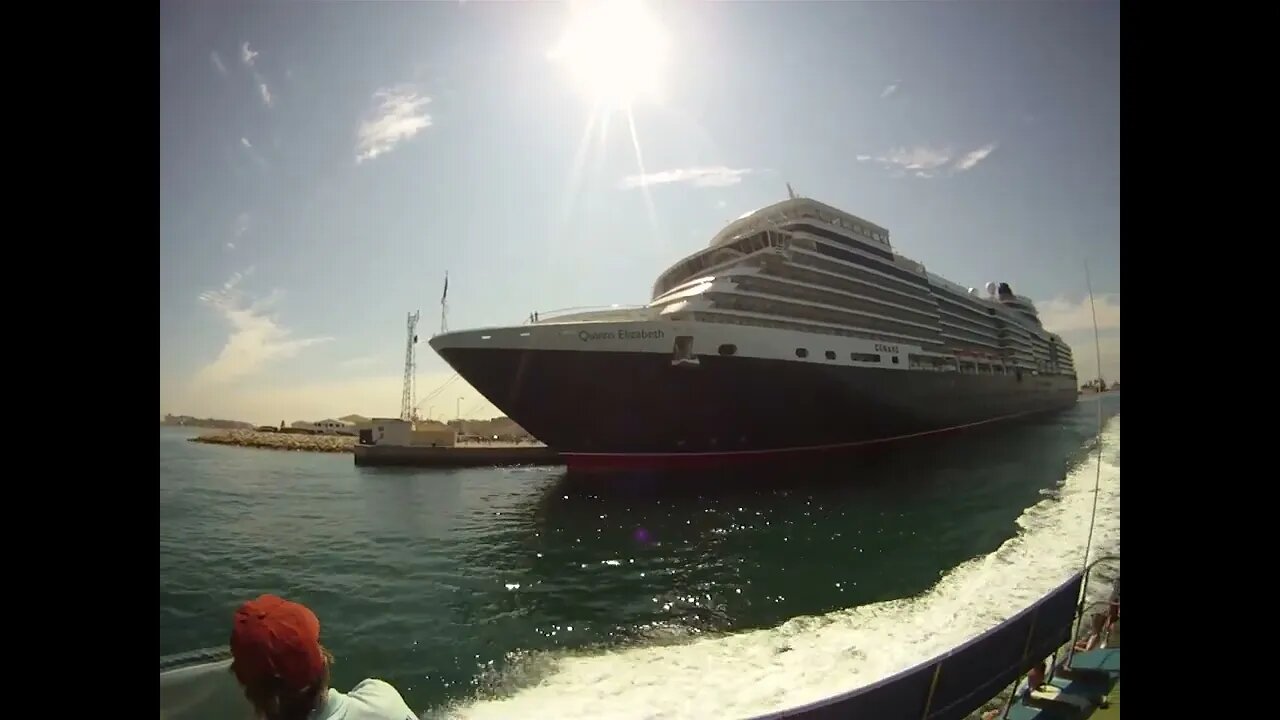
(925, 161)
(919, 158)
(891, 89)
(249, 57)
(238, 230)
(253, 152)
(719, 176)
(399, 115)
(971, 159)
(218, 65)
(359, 362)
(256, 338)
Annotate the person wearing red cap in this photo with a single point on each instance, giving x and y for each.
(284, 670)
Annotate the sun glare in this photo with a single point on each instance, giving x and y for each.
(615, 50)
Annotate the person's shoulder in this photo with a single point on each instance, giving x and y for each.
(382, 695)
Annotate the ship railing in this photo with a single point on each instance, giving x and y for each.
(602, 311)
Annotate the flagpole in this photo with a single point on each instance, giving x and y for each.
(444, 305)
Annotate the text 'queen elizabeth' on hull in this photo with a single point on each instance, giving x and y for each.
(796, 332)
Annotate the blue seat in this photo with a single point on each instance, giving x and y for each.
(1022, 711)
(1087, 685)
(1105, 660)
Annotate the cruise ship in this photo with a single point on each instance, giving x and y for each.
(797, 331)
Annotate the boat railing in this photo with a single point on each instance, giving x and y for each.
(948, 686)
(960, 681)
(195, 657)
(198, 685)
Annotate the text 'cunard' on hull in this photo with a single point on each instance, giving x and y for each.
(797, 332)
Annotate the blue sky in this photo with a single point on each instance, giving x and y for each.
(323, 165)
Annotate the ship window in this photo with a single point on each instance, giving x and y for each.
(895, 359)
(728, 349)
(831, 354)
(864, 357)
(802, 353)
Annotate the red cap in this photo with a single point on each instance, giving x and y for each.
(274, 638)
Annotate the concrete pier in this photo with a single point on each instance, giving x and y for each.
(485, 455)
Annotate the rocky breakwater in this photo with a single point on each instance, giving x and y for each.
(280, 441)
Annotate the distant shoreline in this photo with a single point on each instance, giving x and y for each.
(279, 441)
(188, 421)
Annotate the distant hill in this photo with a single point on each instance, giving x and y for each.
(189, 421)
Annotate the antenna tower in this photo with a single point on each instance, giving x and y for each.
(410, 391)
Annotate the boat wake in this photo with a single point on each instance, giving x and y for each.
(812, 657)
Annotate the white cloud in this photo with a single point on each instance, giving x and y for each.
(1085, 354)
(918, 158)
(231, 245)
(256, 338)
(248, 57)
(1073, 320)
(1062, 316)
(245, 142)
(218, 65)
(718, 176)
(891, 88)
(925, 161)
(399, 115)
(971, 159)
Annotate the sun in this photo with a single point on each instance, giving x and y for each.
(615, 50)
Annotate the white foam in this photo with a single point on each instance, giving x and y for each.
(809, 658)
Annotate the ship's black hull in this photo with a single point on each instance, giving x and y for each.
(618, 409)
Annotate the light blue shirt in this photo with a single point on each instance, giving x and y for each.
(368, 700)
